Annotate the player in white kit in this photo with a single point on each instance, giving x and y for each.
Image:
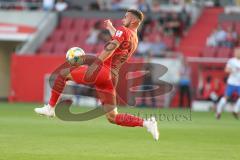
(233, 84)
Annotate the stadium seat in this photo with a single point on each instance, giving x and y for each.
(152, 37)
(70, 36)
(73, 44)
(73, 32)
(89, 48)
(82, 35)
(226, 24)
(117, 23)
(66, 23)
(76, 43)
(47, 47)
(237, 28)
(208, 52)
(99, 48)
(59, 48)
(57, 36)
(91, 22)
(79, 24)
(169, 41)
(223, 52)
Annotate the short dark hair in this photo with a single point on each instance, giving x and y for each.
(137, 13)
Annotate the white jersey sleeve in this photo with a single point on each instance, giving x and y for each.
(229, 63)
(234, 77)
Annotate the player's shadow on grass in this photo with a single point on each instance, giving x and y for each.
(63, 112)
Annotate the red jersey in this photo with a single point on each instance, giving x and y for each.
(107, 77)
(128, 44)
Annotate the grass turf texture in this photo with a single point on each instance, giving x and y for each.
(27, 136)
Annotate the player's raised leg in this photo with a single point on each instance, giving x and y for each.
(124, 119)
(128, 120)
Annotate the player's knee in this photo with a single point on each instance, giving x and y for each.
(65, 72)
(63, 79)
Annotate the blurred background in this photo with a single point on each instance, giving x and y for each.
(192, 38)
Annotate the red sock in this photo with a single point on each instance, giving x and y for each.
(128, 120)
(58, 87)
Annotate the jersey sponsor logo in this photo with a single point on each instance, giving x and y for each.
(119, 33)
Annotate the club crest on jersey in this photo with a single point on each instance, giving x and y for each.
(119, 33)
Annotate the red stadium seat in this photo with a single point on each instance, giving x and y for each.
(82, 36)
(152, 37)
(57, 36)
(76, 43)
(237, 28)
(169, 41)
(70, 36)
(66, 23)
(99, 48)
(47, 47)
(73, 32)
(224, 52)
(117, 22)
(60, 48)
(79, 24)
(91, 22)
(73, 44)
(208, 52)
(226, 24)
(88, 48)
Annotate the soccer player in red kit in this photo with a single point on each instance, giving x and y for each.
(123, 44)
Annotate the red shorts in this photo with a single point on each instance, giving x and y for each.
(104, 82)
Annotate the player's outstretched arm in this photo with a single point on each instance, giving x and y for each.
(109, 26)
(94, 61)
(105, 54)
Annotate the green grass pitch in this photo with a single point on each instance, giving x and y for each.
(27, 136)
